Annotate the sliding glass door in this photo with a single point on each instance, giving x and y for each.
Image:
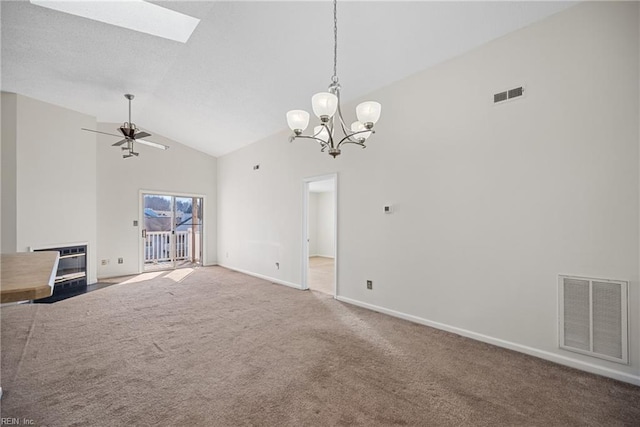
(172, 231)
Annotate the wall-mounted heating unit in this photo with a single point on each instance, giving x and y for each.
(593, 317)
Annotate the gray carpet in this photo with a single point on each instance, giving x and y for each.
(221, 348)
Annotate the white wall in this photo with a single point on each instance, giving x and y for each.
(325, 231)
(178, 170)
(313, 223)
(55, 178)
(491, 202)
(8, 172)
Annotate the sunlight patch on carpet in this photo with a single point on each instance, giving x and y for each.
(178, 275)
(361, 328)
(143, 277)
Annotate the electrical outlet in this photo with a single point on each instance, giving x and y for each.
(120, 260)
(135, 223)
(369, 284)
(105, 261)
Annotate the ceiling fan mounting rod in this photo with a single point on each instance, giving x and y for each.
(129, 97)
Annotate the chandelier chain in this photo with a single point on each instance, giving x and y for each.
(335, 40)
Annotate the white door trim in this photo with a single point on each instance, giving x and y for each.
(305, 228)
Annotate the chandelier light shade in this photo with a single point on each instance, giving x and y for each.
(298, 120)
(326, 106)
(357, 127)
(368, 113)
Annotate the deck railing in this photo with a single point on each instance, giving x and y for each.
(158, 246)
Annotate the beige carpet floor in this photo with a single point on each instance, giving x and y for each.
(321, 274)
(219, 348)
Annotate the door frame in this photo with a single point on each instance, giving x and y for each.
(141, 246)
(305, 229)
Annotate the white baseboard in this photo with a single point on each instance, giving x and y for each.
(552, 357)
(261, 276)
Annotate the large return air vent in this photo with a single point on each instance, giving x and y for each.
(593, 317)
(508, 95)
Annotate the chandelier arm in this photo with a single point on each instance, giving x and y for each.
(343, 126)
(347, 139)
(329, 128)
(309, 137)
(361, 144)
(346, 131)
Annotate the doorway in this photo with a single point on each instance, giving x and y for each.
(172, 234)
(320, 234)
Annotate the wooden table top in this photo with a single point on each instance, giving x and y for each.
(27, 275)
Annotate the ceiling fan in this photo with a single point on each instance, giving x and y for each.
(131, 135)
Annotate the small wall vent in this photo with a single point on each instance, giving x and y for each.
(593, 317)
(499, 97)
(508, 95)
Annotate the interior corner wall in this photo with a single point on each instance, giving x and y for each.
(8, 173)
(55, 178)
(491, 202)
(179, 170)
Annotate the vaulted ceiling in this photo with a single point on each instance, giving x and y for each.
(246, 64)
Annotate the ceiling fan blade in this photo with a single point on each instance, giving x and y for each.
(97, 131)
(119, 143)
(141, 135)
(152, 144)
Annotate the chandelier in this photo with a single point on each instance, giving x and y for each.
(326, 106)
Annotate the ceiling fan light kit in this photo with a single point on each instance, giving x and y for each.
(326, 106)
(131, 135)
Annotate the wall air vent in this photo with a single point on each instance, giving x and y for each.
(593, 317)
(508, 95)
(499, 97)
(514, 93)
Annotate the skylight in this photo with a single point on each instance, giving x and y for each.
(137, 15)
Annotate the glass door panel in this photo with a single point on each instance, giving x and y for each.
(188, 227)
(172, 231)
(158, 232)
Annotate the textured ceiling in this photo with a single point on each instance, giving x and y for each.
(246, 64)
